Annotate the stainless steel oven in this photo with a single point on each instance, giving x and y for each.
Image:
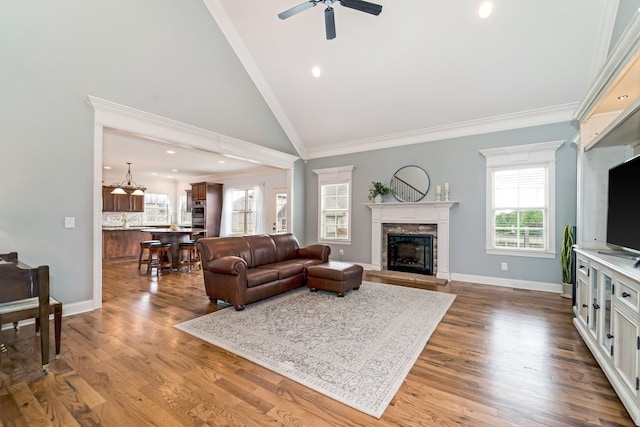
(198, 214)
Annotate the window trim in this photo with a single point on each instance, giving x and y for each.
(518, 157)
(337, 175)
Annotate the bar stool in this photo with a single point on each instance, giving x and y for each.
(144, 245)
(159, 257)
(189, 256)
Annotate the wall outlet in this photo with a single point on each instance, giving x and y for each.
(504, 266)
(341, 252)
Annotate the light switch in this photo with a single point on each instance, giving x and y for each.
(69, 222)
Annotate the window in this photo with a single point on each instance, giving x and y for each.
(243, 214)
(184, 212)
(520, 199)
(334, 190)
(242, 211)
(156, 209)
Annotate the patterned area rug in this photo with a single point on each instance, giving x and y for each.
(356, 350)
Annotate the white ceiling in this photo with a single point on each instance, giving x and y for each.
(422, 70)
(420, 67)
(149, 159)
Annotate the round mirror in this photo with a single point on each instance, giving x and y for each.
(410, 184)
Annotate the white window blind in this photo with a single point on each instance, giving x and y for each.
(520, 208)
(335, 211)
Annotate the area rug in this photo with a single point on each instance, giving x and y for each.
(356, 350)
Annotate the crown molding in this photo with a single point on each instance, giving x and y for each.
(622, 53)
(110, 114)
(542, 116)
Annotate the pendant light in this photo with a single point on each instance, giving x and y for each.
(128, 184)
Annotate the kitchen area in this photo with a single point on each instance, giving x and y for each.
(167, 214)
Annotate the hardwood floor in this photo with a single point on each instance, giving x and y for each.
(500, 357)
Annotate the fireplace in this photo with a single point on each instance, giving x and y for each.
(411, 253)
(414, 215)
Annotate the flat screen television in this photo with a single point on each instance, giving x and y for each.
(623, 210)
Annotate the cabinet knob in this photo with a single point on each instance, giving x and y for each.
(625, 295)
(596, 306)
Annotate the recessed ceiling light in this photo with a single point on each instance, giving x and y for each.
(174, 170)
(154, 173)
(485, 9)
(316, 72)
(222, 162)
(107, 168)
(621, 97)
(171, 152)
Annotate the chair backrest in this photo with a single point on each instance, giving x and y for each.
(10, 256)
(20, 282)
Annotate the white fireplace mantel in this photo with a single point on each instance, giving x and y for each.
(413, 213)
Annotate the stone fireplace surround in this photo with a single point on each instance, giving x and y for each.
(419, 213)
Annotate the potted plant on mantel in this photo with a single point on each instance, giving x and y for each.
(377, 190)
(566, 261)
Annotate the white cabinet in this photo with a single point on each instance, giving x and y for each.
(607, 309)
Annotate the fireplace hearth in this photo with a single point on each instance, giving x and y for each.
(412, 253)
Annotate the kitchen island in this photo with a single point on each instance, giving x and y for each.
(174, 236)
(122, 244)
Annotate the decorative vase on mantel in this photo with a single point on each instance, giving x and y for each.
(377, 190)
(378, 199)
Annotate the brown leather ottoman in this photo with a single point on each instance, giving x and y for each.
(334, 276)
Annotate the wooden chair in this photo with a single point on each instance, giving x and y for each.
(24, 294)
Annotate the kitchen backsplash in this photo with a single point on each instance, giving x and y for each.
(117, 219)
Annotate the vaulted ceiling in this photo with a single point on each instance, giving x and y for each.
(422, 70)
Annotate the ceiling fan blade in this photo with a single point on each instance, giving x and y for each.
(330, 23)
(362, 6)
(297, 9)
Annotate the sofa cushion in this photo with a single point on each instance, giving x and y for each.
(263, 250)
(286, 245)
(285, 269)
(260, 276)
(216, 247)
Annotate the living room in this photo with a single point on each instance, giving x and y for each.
(61, 54)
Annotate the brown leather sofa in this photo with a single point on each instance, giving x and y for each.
(245, 269)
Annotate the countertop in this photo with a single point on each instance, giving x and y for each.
(142, 227)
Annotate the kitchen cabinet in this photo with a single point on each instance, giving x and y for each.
(212, 202)
(199, 191)
(121, 202)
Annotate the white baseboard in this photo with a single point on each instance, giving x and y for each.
(509, 283)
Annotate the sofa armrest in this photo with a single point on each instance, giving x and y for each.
(226, 265)
(320, 252)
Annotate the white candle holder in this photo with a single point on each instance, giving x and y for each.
(446, 195)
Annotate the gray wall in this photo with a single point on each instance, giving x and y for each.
(458, 162)
(166, 57)
(627, 9)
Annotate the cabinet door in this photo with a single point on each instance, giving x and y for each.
(625, 342)
(114, 202)
(136, 203)
(594, 302)
(582, 300)
(606, 299)
(199, 191)
(581, 308)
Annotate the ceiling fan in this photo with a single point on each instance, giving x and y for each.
(329, 20)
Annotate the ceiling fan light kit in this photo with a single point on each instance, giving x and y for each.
(329, 18)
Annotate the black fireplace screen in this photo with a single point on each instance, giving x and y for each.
(411, 253)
